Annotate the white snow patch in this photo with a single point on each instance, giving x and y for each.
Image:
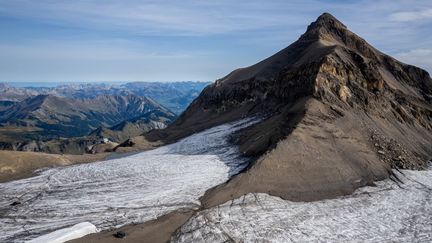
(121, 191)
(66, 234)
(386, 213)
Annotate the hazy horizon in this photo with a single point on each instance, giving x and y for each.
(50, 84)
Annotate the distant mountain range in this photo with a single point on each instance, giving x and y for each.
(156, 119)
(66, 117)
(71, 118)
(175, 96)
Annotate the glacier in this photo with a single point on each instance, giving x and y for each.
(69, 202)
(389, 212)
(113, 193)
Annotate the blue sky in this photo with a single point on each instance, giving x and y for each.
(127, 40)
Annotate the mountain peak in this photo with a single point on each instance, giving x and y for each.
(326, 27)
(328, 18)
(327, 21)
(330, 88)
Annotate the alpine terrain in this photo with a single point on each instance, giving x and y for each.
(327, 140)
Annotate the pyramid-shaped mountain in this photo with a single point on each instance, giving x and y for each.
(338, 114)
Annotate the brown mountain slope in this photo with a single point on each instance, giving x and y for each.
(339, 114)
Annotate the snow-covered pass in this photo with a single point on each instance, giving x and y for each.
(121, 191)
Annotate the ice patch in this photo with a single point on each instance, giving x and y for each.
(66, 234)
(121, 191)
(386, 213)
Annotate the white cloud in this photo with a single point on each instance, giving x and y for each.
(194, 39)
(190, 17)
(83, 51)
(418, 57)
(412, 15)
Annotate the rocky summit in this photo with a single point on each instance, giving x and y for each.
(336, 113)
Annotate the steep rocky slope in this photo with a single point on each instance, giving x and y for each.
(338, 115)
